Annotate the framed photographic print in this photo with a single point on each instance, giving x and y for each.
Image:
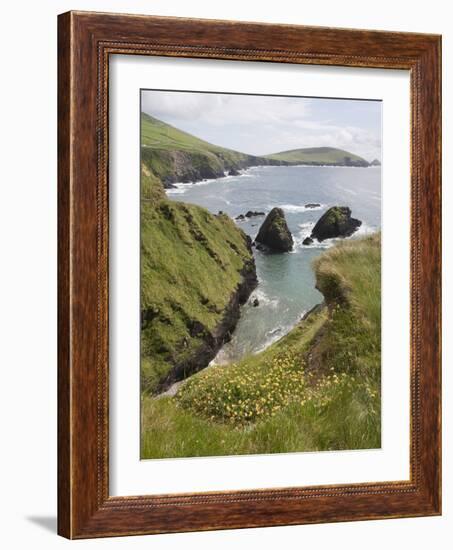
(249, 275)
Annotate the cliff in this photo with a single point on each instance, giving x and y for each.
(176, 156)
(197, 270)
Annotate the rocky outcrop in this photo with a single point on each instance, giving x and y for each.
(182, 166)
(336, 222)
(250, 214)
(253, 213)
(274, 233)
(375, 162)
(312, 205)
(212, 341)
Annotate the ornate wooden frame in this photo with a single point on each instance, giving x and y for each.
(85, 41)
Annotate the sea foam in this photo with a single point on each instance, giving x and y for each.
(294, 208)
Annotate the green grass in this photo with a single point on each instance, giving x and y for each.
(256, 387)
(167, 151)
(320, 155)
(191, 263)
(318, 388)
(157, 134)
(349, 276)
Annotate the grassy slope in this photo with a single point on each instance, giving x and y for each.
(322, 155)
(190, 267)
(161, 140)
(318, 388)
(160, 135)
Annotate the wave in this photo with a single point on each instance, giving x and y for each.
(175, 191)
(306, 229)
(300, 207)
(274, 335)
(364, 230)
(263, 299)
(179, 188)
(182, 187)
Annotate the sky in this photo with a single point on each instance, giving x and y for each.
(260, 125)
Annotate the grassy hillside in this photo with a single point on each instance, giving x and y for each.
(157, 134)
(173, 155)
(318, 388)
(319, 155)
(193, 264)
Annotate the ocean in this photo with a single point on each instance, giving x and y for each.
(286, 289)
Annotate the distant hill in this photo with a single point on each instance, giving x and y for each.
(319, 156)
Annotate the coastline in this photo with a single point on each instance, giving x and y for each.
(243, 172)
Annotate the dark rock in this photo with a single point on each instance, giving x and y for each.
(248, 241)
(375, 162)
(167, 211)
(213, 340)
(307, 240)
(252, 213)
(233, 247)
(312, 205)
(195, 328)
(255, 302)
(233, 172)
(336, 222)
(274, 232)
(148, 315)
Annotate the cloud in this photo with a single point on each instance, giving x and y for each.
(220, 109)
(267, 124)
(185, 106)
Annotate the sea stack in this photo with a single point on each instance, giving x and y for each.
(274, 233)
(336, 222)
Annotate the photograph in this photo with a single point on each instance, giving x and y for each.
(260, 278)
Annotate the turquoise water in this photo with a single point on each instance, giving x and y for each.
(286, 288)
